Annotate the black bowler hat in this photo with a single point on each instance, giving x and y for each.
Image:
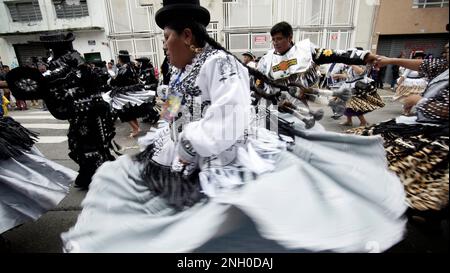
(186, 9)
(124, 53)
(143, 60)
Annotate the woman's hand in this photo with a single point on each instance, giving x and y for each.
(381, 61)
(183, 166)
(370, 58)
(182, 161)
(413, 64)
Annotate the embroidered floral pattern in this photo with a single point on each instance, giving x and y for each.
(327, 52)
(227, 68)
(192, 107)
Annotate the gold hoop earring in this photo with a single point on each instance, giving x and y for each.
(192, 48)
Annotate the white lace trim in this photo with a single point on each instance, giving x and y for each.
(258, 156)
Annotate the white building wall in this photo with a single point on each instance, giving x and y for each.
(101, 44)
(364, 23)
(49, 22)
(215, 7)
(336, 24)
(7, 54)
(108, 39)
(88, 28)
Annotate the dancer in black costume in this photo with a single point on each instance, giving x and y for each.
(147, 77)
(130, 97)
(72, 91)
(30, 184)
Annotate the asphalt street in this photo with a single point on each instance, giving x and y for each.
(42, 236)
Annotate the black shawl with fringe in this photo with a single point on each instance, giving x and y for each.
(14, 138)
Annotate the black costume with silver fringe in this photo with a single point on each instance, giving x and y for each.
(72, 90)
(14, 138)
(30, 184)
(130, 97)
(148, 78)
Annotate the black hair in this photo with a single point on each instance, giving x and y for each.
(284, 28)
(359, 48)
(124, 59)
(202, 37)
(145, 65)
(198, 30)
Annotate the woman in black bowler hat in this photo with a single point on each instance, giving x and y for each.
(206, 164)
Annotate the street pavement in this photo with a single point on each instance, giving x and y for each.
(42, 236)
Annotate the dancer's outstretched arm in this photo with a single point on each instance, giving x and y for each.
(413, 64)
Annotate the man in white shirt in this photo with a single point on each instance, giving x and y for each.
(111, 71)
(249, 59)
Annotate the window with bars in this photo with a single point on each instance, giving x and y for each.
(64, 10)
(430, 3)
(24, 11)
(131, 16)
(138, 47)
(338, 39)
(256, 42)
(325, 12)
(213, 30)
(311, 13)
(248, 13)
(341, 12)
(335, 39)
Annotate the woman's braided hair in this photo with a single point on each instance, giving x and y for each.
(202, 37)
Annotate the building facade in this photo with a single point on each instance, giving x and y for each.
(239, 25)
(132, 27)
(337, 24)
(22, 21)
(404, 26)
(244, 25)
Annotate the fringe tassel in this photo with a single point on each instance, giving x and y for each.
(125, 89)
(178, 190)
(14, 138)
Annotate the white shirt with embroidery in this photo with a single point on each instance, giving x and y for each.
(225, 83)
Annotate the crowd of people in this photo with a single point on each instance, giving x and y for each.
(232, 135)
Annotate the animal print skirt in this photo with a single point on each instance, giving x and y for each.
(418, 154)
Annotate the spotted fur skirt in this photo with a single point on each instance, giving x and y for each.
(364, 103)
(418, 154)
(410, 87)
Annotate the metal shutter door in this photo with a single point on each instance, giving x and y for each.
(24, 52)
(393, 45)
